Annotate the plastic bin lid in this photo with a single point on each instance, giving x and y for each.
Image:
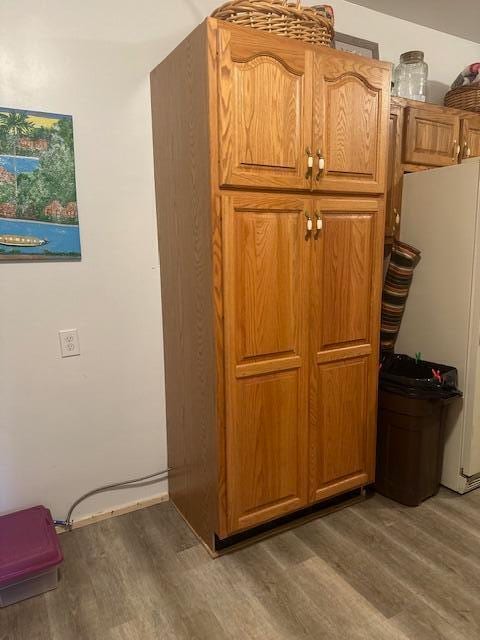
(28, 545)
(414, 378)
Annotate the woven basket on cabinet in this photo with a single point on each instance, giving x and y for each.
(466, 98)
(281, 17)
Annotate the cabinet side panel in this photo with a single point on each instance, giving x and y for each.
(180, 115)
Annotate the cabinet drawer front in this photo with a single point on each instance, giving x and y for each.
(351, 99)
(431, 138)
(265, 266)
(265, 111)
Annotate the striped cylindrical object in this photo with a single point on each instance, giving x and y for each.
(398, 279)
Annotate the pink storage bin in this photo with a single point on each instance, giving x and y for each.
(30, 555)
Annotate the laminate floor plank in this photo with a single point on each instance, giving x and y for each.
(462, 569)
(423, 623)
(458, 571)
(287, 551)
(464, 510)
(28, 620)
(370, 577)
(285, 610)
(374, 571)
(231, 600)
(430, 584)
(344, 613)
(74, 610)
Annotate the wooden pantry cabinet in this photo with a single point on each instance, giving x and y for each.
(270, 168)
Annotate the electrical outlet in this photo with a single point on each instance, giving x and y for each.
(69, 344)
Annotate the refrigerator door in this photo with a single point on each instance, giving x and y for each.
(439, 217)
(470, 462)
(471, 449)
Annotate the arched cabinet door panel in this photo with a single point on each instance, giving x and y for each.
(265, 111)
(351, 101)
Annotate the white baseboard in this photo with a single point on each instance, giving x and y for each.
(121, 510)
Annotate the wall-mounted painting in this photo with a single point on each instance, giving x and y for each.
(38, 198)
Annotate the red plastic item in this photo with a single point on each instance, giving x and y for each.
(28, 545)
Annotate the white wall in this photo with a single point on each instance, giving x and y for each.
(70, 425)
(446, 55)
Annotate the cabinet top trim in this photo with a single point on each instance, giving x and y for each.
(290, 43)
(430, 106)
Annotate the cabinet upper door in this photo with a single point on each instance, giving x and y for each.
(393, 199)
(265, 253)
(470, 142)
(432, 137)
(344, 329)
(265, 110)
(350, 120)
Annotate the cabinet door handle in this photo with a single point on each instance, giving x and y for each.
(456, 149)
(319, 224)
(309, 228)
(397, 216)
(321, 164)
(309, 163)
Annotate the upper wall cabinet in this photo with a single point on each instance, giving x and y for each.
(265, 111)
(423, 136)
(351, 100)
(470, 142)
(293, 116)
(431, 137)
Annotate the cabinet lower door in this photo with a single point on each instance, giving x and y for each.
(265, 254)
(345, 306)
(350, 123)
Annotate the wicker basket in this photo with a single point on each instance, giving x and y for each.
(466, 98)
(282, 17)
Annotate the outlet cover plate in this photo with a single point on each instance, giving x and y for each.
(69, 344)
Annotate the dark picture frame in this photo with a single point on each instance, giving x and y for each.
(365, 48)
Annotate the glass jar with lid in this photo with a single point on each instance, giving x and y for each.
(410, 76)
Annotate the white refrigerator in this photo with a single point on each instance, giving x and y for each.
(441, 217)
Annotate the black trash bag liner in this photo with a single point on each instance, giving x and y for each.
(415, 379)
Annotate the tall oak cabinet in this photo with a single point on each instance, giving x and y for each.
(270, 168)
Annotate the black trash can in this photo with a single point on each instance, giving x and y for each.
(414, 400)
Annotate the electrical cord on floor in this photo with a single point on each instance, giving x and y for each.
(159, 475)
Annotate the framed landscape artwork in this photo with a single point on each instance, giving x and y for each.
(38, 197)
